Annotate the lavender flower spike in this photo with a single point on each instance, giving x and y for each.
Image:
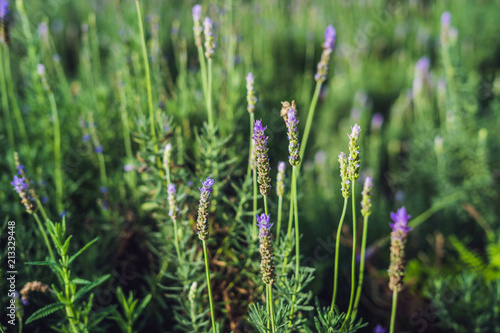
(4, 9)
(197, 25)
(280, 179)
(22, 187)
(172, 202)
(366, 202)
(202, 221)
(209, 38)
(354, 160)
(266, 249)
(330, 37)
(344, 176)
(398, 238)
(289, 113)
(251, 99)
(261, 153)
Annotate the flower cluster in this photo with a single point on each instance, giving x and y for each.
(422, 75)
(344, 176)
(209, 38)
(289, 113)
(197, 25)
(251, 99)
(398, 238)
(280, 179)
(202, 221)
(260, 149)
(22, 187)
(167, 155)
(266, 249)
(330, 35)
(4, 11)
(354, 158)
(29, 287)
(366, 202)
(172, 202)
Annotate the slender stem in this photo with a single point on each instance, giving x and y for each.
(176, 239)
(203, 70)
(310, 116)
(209, 98)
(361, 267)
(265, 204)
(209, 286)
(268, 307)
(5, 106)
(44, 235)
(337, 247)
(10, 88)
(353, 262)
(254, 203)
(278, 228)
(57, 151)
(297, 233)
(146, 68)
(297, 237)
(289, 229)
(271, 306)
(394, 308)
(250, 149)
(124, 116)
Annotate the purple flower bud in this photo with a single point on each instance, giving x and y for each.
(377, 121)
(196, 12)
(20, 169)
(98, 149)
(86, 138)
(43, 30)
(266, 249)
(262, 159)
(400, 225)
(422, 66)
(445, 19)
(356, 129)
(4, 9)
(104, 189)
(209, 38)
(128, 167)
(40, 69)
(379, 329)
(330, 36)
(19, 184)
(281, 166)
(171, 189)
(251, 99)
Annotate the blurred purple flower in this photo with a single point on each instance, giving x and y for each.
(128, 167)
(377, 121)
(445, 19)
(400, 226)
(19, 184)
(86, 138)
(4, 9)
(379, 329)
(196, 12)
(98, 149)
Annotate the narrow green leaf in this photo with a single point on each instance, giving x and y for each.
(45, 311)
(89, 287)
(74, 256)
(141, 307)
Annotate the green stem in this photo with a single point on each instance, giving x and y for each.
(265, 204)
(125, 122)
(10, 87)
(209, 98)
(209, 286)
(297, 237)
(289, 229)
(44, 235)
(255, 232)
(310, 116)
(278, 228)
(271, 306)
(5, 106)
(394, 308)
(250, 149)
(203, 70)
(337, 247)
(176, 239)
(268, 307)
(148, 75)
(361, 266)
(57, 151)
(353, 262)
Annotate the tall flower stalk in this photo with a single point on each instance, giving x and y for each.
(251, 171)
(396, 269)
(320, 77)
(198, 30)
(289, 114)
(262, 160)
(202, 225)
(346, 192)
(267, 262)
(353, 164)
(209, 54)
(280, 191)
(366, 210)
